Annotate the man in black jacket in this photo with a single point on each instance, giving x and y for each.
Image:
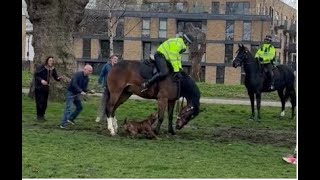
(77, 86)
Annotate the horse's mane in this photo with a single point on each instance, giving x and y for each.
(191, 92)
(125, 63)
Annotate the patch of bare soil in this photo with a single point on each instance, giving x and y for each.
(283, 138)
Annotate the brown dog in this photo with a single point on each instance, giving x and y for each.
(134, 128)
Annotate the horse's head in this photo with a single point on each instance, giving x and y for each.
(243, 55)
(191, 92)
(186, 114)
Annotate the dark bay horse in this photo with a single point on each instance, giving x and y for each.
(125, 79)
(256, 81)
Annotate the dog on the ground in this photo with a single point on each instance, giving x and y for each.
(133, 128)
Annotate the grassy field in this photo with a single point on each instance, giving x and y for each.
(220, 143)
(207, 90)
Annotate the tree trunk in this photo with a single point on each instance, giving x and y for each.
(196, 53)
(54, 22)
(196, 58)
(110, 30)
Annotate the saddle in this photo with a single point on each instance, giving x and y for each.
(147, 68)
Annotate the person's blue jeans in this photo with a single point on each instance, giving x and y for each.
(68, 115)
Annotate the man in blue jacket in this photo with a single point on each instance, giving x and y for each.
(77, 86)
(103, 82)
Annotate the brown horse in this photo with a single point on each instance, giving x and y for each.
(125, 79)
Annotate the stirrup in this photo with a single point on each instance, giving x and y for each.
(271, 87)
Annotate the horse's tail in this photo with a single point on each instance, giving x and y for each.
(290, 91)
(287, 93)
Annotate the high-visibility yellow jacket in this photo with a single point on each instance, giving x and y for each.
(267, 52)
(171, 49)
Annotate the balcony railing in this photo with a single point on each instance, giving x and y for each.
(182, 8)
(291, 29)
(280, 24)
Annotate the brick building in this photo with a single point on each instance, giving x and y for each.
(145, 24)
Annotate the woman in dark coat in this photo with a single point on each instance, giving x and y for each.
(42, 77)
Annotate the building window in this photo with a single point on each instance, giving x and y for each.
(146, 28)
(162, 28)
(86, 48)
(146, 50)
(260, 9)
(149, 48)
(182, 25)
(220, 74)
(105, 48)
(237, 8)
(215, 8)
(187, 70)
(181, 7)
(228, 53)
(229, 30)
(159, 6)
(246, 31)
(279, 58)
(265, 10)
(185, 55)
(254, 49)
(120, 28)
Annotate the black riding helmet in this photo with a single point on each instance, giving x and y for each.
(188, 38)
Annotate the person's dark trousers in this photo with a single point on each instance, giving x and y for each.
(103, 103)
(68, 115)
(161, 68)
(41, 97)
(268, 67)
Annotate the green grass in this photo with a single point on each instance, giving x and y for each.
(206, 89)
(220, 143)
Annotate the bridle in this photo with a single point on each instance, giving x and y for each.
(244, 59)
(183, 120)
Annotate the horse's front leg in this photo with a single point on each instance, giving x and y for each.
(162, 104)
(251, 96)
(170, 117)
(258, 99)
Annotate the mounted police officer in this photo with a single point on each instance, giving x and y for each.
(266, 55)
(169, 51)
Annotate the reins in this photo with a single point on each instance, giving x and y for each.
(178, 109)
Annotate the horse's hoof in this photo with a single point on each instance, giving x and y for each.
(113, 134)
(172, 132)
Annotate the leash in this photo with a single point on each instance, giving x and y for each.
(75, 95)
